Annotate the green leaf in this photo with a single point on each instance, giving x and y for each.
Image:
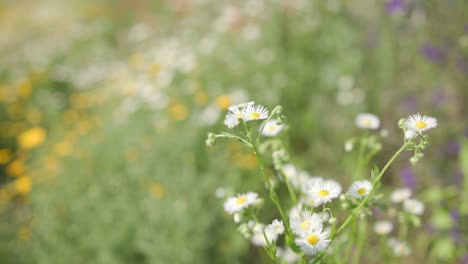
(374, 174)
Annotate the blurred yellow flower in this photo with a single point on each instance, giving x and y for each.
(63, 148)
(136, 59)
(16, 168)
(32, 138)
(154, 69)
(24, 233)
(23, 185)
(201, 98)
(24, 88)
(223, 101)
(178, 111)
(79, 101)
(5, 156)
(158, 190)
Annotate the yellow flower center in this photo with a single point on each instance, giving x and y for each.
(421, 124)
(241, 200)
(323, 193)
(366, 122)
(305, 225)
(313, 239)
(239, 115)
(362, 191)
(254, 115)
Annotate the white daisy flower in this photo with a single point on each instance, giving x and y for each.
(289, 171)
(419, 123)
(314, 241)
(367, 121)
(272, 128)
(360, 189)
(277, 226)
(399, 248)
(413, 206)
(295, 211)
(241, 201)
(324, 191)
(383, 227)
(306, 222)
(259, 233)
(307, 200)
(231, 120)
(287, 255)
(400, 195)
(307, 182)
(255, 112)
(410, 134)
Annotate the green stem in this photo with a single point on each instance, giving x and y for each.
(349, 249)
(292, 194)
(374, 187)
(360, 242)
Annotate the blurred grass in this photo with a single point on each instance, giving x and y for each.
(123, 179)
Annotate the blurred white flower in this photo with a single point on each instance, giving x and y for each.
(399, 248)
(259, 234)
(413, 206)
(239, 202)
(277, 226)
(272, 128)
(367, 121)
(383, 227)
(400, 195)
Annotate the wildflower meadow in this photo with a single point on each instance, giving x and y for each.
(222, 131)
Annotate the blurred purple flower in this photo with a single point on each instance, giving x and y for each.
(408, 177)
(377, 212)
(464, 259)
(462, 65)
(458, 177)
(455, 231)
(452, 148)
(433, 53)
(392, 6)
(410, 103)
(438, 97)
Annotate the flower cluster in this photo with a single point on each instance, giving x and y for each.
(308, 230)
